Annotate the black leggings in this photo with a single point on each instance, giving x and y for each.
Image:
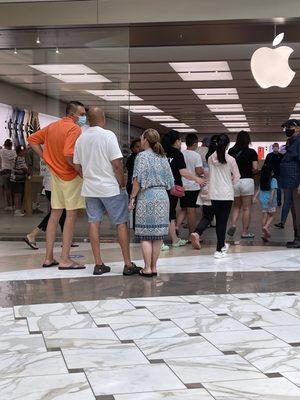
(222, 211)
(44, 223)
(207, 217)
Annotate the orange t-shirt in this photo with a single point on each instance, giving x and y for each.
(59, 139)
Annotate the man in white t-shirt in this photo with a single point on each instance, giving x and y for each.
(194, 164)
(98, 159)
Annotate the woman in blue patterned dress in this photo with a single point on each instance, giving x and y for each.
(152, 177)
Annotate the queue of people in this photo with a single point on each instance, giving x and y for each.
(85, 170)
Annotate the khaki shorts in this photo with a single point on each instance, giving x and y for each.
(244, 187)
(66, 194)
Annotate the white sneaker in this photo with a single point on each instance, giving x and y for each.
(225, 248)
(19, 213)
(220, 254)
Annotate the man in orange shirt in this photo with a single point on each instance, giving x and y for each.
(58, 141)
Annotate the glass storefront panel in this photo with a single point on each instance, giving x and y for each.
(40, 72)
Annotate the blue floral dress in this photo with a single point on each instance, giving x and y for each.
(155, 177)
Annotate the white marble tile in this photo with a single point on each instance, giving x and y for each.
(290, 334)
(209, 324)
(155, 301)
(22, 343)
(13, 327)
(39, 310)
(260, 294)
(294, 377)
(102, 305)
(210, 369)
(157, 349)
(7, 314)
(258, 389)
(278, 301)
(79, 338)
(58, 322)
(204, 298)
(292, 311)
(147, 330)
(274, 360)
(239, 340)
(54, 387)
(20, 364)
(133, 379)
(179, 311)
(189, 394)
(220, 306)
(123, 316)
(265, 319)
(103, 356)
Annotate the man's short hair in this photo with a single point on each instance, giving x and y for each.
(72, 107)
(134, 142)
(275, 145)
(191, 139)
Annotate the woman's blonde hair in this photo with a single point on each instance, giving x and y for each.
(153, 139)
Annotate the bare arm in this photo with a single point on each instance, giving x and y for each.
(135, 190)
(78, 168)
(38, 149)
(185, 173)
(272, 196)
(199, 171)
(255, 166)
(119, 172)
(69, 160)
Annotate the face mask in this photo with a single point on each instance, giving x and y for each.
(289, 132)
(81, 120)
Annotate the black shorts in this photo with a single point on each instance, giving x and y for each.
(190, 198)
(173, 206)
(18, 187)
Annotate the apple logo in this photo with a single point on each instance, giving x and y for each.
(270, 67)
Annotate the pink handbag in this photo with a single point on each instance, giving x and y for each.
(177, 191)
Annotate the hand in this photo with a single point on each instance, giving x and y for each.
(131, 204)
(254, 201)
(270, 202)
(202, 181)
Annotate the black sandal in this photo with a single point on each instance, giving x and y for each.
(142, 273)
(53, 264)
(101, 269)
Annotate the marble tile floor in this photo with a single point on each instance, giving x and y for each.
(144, 351)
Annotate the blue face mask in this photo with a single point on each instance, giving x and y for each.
(81, 120)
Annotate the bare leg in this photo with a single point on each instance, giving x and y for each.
(236, 209)
(147, 255)
(181, 217)
(246, 205)
(33, 234)
(191, 217)
(124, 243)
(68, 233)
(94, 236)
(156, 245)
(51, 235)
(270, 217)
(172, 230)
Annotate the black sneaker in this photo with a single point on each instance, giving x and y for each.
(231, 231)
(131, 270)
(293, 245)
(101, 269)
(279, 225)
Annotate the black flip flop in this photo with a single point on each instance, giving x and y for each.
(53, 264)
(72, 267)
(142, 273)
(32, 245)
(154, 273)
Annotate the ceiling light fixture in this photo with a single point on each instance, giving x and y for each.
(233, 117)
(185, 130)
(57, 50)
(175, 125)
(217, 94)
(142, 109)
(38, 39)
(81, 78)
(15, 51)
(115, 95)
(225, 107)
(53, 69)
(297, 107)
(202, 71)
(236, 124)
(161, 118)
(238, 129)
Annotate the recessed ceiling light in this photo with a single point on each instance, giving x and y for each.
(217, 94)
(206, 76)
(225, 107)
(53, 69)
(142, 109)
(236, 124)
(200, 66)
(175, 125)
(238, 129)
(115, 95)
(186, 130)
(83, 78)
(160, 118)
(233, 117)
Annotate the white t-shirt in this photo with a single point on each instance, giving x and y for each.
(7, 159)
(94, 150)
(192, 160)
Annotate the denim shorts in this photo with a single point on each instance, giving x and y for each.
(116, 207)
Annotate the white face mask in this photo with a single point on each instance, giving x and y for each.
(81, 120)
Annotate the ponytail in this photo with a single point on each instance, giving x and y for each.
(153, 139)
(222, 143)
